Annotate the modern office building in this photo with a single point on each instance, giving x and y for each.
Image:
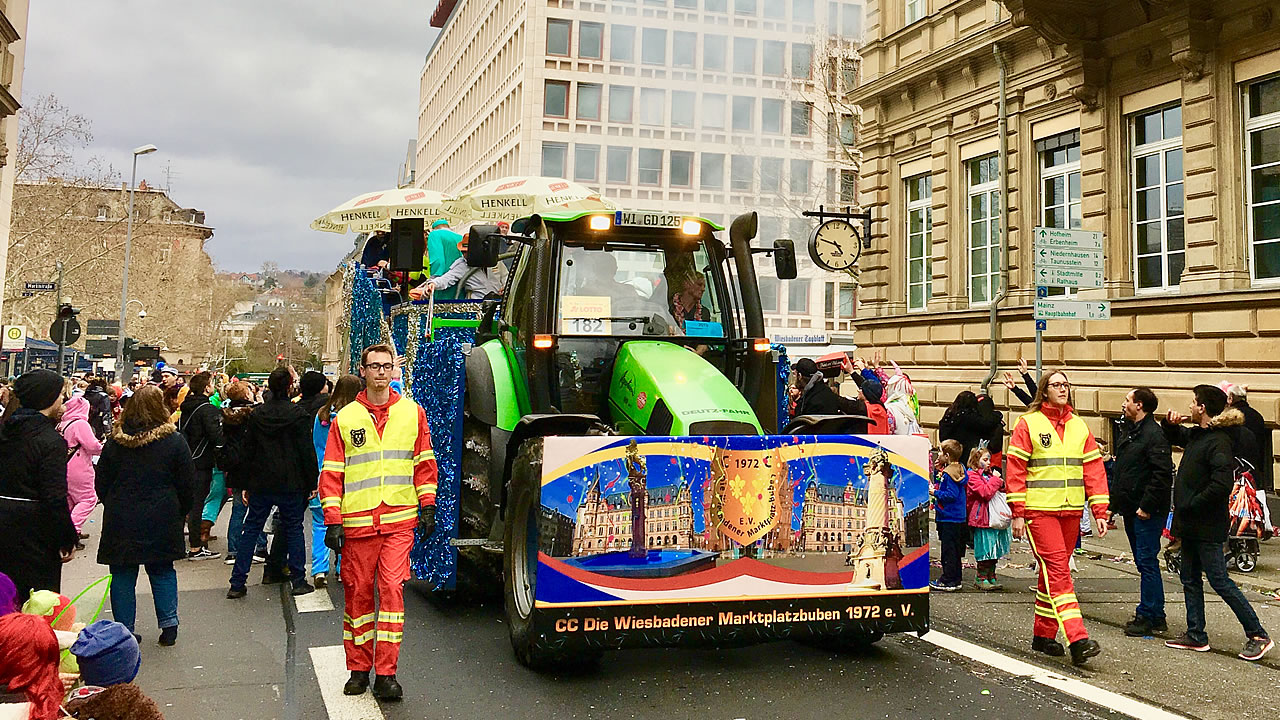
(708, 107)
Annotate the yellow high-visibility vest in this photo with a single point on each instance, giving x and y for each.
(1055, 470)
(378, 469)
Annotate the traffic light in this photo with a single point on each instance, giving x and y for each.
(66, 311)
(129, 346)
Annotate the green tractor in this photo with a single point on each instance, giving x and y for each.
(621, 476)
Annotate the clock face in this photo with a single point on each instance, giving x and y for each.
(835, 245)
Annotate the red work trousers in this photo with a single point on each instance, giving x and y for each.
(384, 559)
(1053, 539)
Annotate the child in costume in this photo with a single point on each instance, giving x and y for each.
(982, 483)
(109, 662)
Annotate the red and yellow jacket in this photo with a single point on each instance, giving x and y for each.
(1054, 465)
(379, 468)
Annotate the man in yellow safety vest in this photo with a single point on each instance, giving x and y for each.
(377, 485)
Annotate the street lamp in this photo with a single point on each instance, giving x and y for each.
(142, 311)
(124, 289)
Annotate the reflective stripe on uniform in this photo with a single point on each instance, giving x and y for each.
(360, 639)
(1051, 461)
(387, 636)
(399, 515)
(424, 456)
(330, 502)
(390, 617)
(361, 458)
(360, 521)
(384, 481)
(1019, 452)
(1068, 482)
(357, 622)
(334, 465)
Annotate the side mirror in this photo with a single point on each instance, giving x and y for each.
(784, 259)
(483, 245)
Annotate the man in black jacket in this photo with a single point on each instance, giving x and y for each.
(201, 424)
(1140, 483)
(1238, 399)
(1201, 493)
(816, 397)
(277, 462)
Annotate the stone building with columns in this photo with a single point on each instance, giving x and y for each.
(1154, 122)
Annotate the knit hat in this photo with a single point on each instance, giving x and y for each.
(108, 654)
(38, 389)
(311, 383)
(873, 391)
(8, 595)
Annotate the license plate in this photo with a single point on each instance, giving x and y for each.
(644, 219)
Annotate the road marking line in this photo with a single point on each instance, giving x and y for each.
(330, 664)
(1070, 686)
(318, 601)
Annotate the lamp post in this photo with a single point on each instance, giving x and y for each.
(124, 290)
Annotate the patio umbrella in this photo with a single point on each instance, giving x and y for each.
(512, 198)
(375, 211)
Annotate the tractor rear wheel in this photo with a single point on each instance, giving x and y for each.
(479, 571)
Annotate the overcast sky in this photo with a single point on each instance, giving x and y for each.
(268, 112)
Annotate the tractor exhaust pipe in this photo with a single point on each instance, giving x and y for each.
(741, 232)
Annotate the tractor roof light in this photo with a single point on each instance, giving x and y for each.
(761, 345)
(600, 222)
(544, 342)
(691, 227)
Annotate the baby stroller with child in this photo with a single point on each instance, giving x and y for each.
(1250, 525)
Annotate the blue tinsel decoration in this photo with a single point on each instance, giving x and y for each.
(365, 315)
(784, 374)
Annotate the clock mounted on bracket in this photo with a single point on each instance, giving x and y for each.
(835, 246)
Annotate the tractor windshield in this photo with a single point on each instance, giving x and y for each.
(638, 290)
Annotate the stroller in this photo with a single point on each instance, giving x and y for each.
(1250, 525)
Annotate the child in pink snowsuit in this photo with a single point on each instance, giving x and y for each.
(75, 427)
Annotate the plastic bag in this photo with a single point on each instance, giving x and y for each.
(998, 512)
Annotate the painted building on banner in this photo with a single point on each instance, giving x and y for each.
(604, 520)
(705, 107)
(1156, 124)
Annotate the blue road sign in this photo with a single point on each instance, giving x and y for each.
(1042, 325)
(1042, 292)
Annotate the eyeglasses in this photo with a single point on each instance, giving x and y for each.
(383, 367)
(1060, 385)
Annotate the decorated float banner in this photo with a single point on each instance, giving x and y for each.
(705, 539)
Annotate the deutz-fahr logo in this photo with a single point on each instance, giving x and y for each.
(357, 437)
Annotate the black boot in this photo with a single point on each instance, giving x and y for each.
(1082, 650)
(169, 635)
(273, 576)
(357, 683)
(1048, 646)
(385, 687)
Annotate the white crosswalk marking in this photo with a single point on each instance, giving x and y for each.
(330, 664)
(318, 601)
(1070, 686)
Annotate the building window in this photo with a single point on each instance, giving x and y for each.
(801, 112)
(744, 7)
(848, 186)
(775, 9)
(716, 5)
(682, 108)
(741, 171)
(554, 156)
(622, 43)
(650, 166)
(743, 110)
(1060, 186)
(768, 294)
(714, 108)
(919, 240)
(1262, 149)
(653, 49)
(652, 106)
(798, 296)
(556, 101)
(1159, 251)
(848, 130)
(684, 49)
(801, 60)
(851, 25)
(775, 58)
(589, 101)
(620, 98)
(770, 174)
(618, 161)
(802, 11)
(681, 168)
(838, 303)
(744, 56)
(102, 212)
(771, 116)
(687, 4)
(915, 10)
(586, 163)
(800, 170)
(558, 32)
(163, 255)
(590, 40)
(848, 299)
(714, 49)
(984, 229)
(711, 175)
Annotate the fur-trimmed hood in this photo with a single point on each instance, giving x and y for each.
(1230, 417)
(236, 415)
(132, 437)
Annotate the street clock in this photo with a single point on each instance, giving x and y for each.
(835, 246)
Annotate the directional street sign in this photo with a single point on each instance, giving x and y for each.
(103, 327)
(100, 348)
(1054, 276)
(40, 286)
(1068, 258)
(1073, 239)
(1072, 310)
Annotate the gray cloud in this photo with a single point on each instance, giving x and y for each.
(269, 113)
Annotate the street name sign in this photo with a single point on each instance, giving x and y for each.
(1068, 258)
(1054, 276)
(1072, 239)
(1072, 310)
(40, 286)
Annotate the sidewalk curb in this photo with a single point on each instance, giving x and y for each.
(1243, 580)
